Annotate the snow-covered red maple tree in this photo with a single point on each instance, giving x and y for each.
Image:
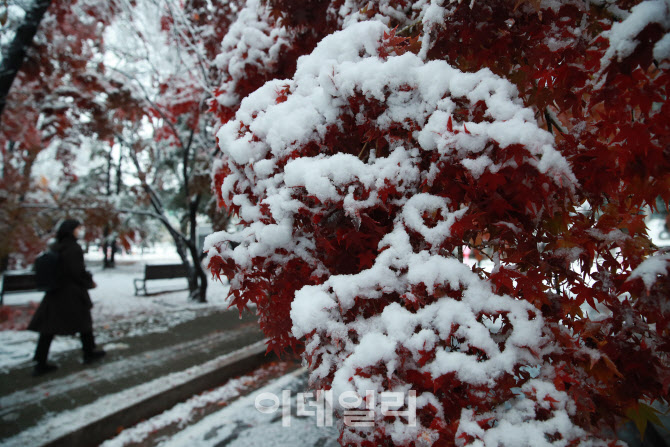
(532, 132)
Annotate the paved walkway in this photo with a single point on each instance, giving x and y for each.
(27, 402)
(240, 424)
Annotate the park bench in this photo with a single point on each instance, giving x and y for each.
(160, 271)
(14, 282)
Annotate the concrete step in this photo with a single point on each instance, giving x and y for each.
(221, 341)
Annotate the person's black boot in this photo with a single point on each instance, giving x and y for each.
(88, 346)
(43, 368)
(93, 356)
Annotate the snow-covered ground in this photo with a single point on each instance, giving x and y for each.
(238, 423)
(117, 312)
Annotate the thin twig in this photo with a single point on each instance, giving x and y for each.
(551, 118)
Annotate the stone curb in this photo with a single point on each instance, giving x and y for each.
(102, 425)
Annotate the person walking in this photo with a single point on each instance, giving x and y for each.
(66, 310)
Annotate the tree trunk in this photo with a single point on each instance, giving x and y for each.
(119, 174)
(197, 281)
(198, 273)
(198, 276)
(11, 64)
(181, 245)
(108, 180)
(184, 245)
(105, 246)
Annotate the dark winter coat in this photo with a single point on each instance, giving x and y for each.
(66, 310)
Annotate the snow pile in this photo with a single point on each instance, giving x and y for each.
(252, 43)
(623, 35)
(467, 322)
(520, 423)
(265, 135)
(350, 12)
(257, 45)
(286, 155)
(651, 269)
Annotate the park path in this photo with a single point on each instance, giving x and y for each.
(238, 423)
(139, 364)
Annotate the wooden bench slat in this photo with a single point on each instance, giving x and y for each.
(165, 271)
(160, 271)
(17, 282)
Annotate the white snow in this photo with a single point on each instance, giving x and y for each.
(265, 133)
(622, 35)
(651, 268)
(183, 414)
(423, 203)
(662, 48)
(240, 424)
(251, 41)
(13, 15)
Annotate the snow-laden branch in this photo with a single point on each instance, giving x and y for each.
(158, 109)
(188, 39)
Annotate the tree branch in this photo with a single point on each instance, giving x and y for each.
(185, 163)
(189, 43)
(11, 63)
(155, 106)
(553, 120)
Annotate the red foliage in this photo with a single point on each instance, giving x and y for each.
(16, 318)
(607, 322)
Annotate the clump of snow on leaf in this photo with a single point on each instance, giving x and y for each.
(623, 34)
(252, 42)
(651, 269)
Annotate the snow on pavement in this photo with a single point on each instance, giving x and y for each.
(117, 312)
(54, 426)
(177, 418)
(108, 371)
(238, 424)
